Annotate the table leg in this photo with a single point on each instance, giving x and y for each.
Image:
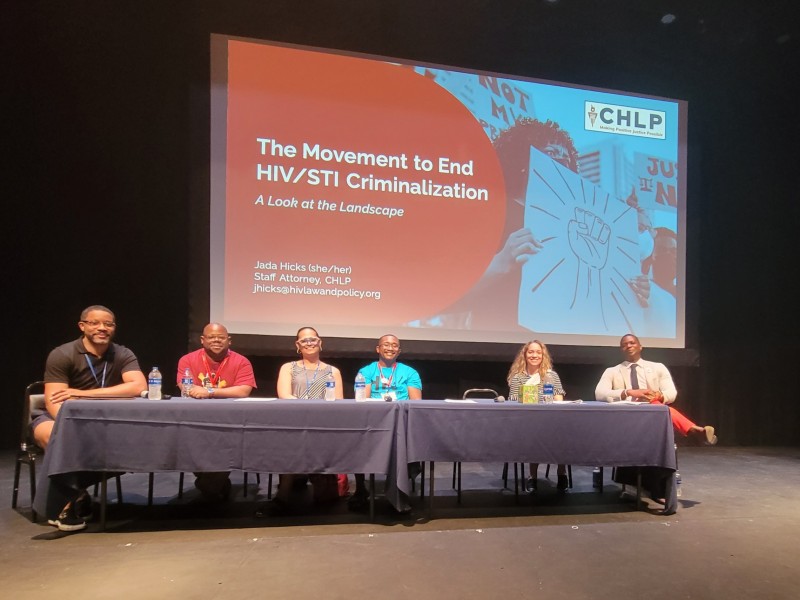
(638, 488)
(150, 480)
(103, 501)
(431, 494)
(459, 482)
(372, 497)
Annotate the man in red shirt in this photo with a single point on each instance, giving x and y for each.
(216, 372)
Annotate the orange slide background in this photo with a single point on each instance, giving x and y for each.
(420, 262)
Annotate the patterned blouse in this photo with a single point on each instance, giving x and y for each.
(309, 383)
(520, 378)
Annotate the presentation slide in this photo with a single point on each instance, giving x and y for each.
(363, 195)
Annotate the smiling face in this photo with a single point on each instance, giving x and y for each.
(533, 357)
(388, 349)
(98, 328)
(215, 340)
(630, 347)
(308, 343)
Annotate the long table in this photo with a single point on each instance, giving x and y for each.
(269, 436)
(589, 434)
(314, 436)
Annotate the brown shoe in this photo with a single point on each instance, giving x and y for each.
(711, 438)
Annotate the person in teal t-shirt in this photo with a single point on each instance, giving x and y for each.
(386, 378)
(390, 380)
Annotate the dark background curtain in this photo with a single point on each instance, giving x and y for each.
(105, 132)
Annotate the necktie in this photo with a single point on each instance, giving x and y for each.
(634, 377)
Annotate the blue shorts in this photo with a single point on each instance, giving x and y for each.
(42, 418)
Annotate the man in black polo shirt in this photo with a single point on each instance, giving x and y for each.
(90, 367)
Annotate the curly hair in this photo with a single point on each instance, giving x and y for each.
(512, 144)
(519, 364)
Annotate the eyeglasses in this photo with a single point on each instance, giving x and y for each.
(106, 324)
(309, 341)
(214, 338)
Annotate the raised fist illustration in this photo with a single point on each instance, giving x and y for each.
(588, 238)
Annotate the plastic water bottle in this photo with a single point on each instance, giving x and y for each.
(678, 491)
(547, 391)
(330, 387)
(154, 384)
(360, 387)
(186, 382)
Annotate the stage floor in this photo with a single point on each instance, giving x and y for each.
(735, 536)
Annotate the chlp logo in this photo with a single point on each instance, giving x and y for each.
(625, 120)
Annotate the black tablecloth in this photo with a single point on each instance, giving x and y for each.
(314, 436)
(591, 433)
(279, 436)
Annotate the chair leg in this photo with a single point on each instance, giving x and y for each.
(119, 490)
(244, 482)
(32, 472)
(180, 485)
(269, 486)
(505, 476)
(455, 466)
(569, 475)
(547, 472)
(15, 493)
(422, 482)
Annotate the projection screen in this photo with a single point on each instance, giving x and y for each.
(364, 195)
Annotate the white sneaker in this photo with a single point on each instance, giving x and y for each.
(68, 520)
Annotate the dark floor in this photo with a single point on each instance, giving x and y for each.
(735, 536)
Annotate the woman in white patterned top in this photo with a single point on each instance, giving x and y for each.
(531, 360)
(305, 378)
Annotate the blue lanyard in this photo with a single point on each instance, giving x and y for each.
(308, 384)
(94, 374)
